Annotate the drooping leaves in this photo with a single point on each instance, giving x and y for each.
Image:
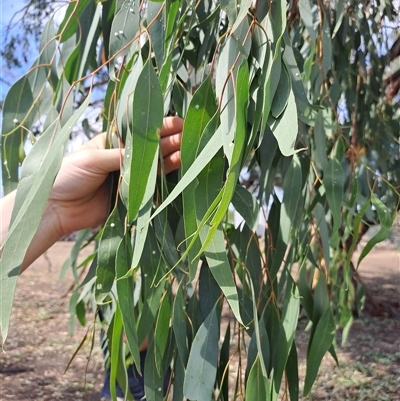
(203, 358)
(37, 176)
(284, 111)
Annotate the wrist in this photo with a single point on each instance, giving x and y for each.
(48, 232)
(51, 221)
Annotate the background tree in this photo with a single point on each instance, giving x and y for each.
(295, 91)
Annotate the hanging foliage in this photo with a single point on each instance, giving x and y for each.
(294, 93)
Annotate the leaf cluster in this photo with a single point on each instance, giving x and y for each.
(298, 104)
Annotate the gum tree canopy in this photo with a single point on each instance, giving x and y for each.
(300, 94)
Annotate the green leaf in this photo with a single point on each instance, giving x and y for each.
(174, 11)
(277, 17)
(64, 101)
(230, 7)
(40, 71)
(275, 240)
(152, 268)
(37, 176)
(385, 221)
(179, 324)
(143, 218)
(232, 58)
(209, 291)
(276, 336)
(70, 23)
(124, 116)
(270, 84)
(342, 11)
(161, 330)
(259, 339)
(106, 256)
(320, 221)
(292, 198)
(18, 112)
(305, 291)
(202, 108)
(179, 377)
(155, 18)
(153, 379)
(80, 48)
(307, 17)
(257, 386)
(223, 367)
(320, 142)
(290, 312)
(282, 95)
(320, 344)
(242, 14)
(292, 373)
(287, 330)
(209, 151)
(125, 290)
(72, 261)
(258, 333)
(115, 351)
(355, 230)
(203, 359)
(124, 29)
(165, 238)
(286, 127)
(209, 183)
(262, 101)
(297, 83)
(309, 64)
(146, 123)
(247, 206)
(72, 64)
(90, 20)
(221, 270)
(334, 182)
(321, 298)
(235, 165)
(326, 45)
(248, 254)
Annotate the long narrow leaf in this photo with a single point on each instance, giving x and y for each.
(37, 177)
(146, 123)
(203, 359)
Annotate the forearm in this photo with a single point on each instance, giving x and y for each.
(45, 236)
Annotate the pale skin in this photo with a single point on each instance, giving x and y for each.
(80, 196)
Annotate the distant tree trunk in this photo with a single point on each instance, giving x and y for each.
(393, 81)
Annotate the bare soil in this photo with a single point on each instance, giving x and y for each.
(39, 345)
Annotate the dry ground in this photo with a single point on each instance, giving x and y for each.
(39, 345)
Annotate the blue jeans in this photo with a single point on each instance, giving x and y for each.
(135, 381)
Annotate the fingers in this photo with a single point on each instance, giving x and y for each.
(172, 162)
(99, 161)
(171, 126)
(109, 160)
(170, 144)
(98, 142)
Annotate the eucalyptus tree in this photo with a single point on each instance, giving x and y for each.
(290, 90)
(22, 30)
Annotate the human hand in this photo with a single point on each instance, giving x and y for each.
(80, 196)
